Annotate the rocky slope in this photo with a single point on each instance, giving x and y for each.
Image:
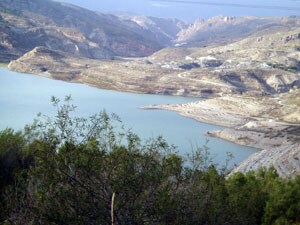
(26, 24)
(270, 122)
(163, 31)
(227, 29)
(268, 63)
(264, 64)
(133, 75)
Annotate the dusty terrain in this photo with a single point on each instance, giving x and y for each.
(265, 64)
(228, 29)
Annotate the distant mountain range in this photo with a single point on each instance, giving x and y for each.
(163, 31)
(227, 29)
(26, 24)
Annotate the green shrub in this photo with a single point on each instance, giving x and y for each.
(65, 170)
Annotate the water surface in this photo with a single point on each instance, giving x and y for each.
(22, 96)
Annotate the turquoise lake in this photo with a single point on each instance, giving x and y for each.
(22, 96)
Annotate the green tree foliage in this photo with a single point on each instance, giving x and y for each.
(283, 206)
(14, 165)
(246, 198)
(65, 170)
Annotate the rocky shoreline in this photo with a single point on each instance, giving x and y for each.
(279, 141)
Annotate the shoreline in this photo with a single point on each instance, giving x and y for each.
(4, 65)
(231, 111)
(212, 134)
(132, 91)
(277, 142)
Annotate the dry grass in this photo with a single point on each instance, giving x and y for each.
(293, 98)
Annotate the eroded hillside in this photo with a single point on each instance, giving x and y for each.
(227, 29)
(74, 30)
(260, 64)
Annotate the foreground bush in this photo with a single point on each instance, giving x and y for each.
(70, 170)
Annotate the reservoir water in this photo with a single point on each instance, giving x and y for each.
(22, 96)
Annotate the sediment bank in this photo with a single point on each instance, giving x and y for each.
(249, 122)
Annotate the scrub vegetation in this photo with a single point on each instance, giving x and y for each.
(70, 170)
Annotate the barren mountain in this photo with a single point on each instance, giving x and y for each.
(163, 31)
(227, 29)
(265, 64)
(26, 24)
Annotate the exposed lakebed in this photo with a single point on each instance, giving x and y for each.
(22, 96)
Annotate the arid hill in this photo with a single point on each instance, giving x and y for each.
(26, 24)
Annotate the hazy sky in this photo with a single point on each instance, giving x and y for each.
(193, 9)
